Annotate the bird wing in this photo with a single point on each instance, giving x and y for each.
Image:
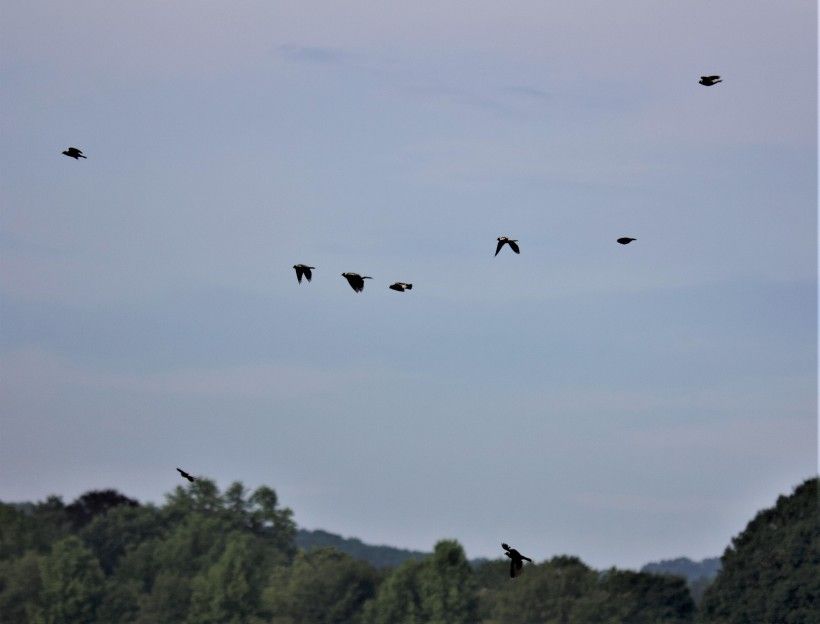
(514, 246)
(356, 282)
(395, 287)
(307, 273)
(713, 77)
(499, 246)
(299, 271)
(183, 473)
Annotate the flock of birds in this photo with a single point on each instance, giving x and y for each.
(356, 282)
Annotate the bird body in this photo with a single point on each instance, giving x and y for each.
(356, 281)
(73, 152)
(303, 270)
(503, 240)
(185, 475)
(516, 560)
(625, 240)
(708, 81)
(400, 286)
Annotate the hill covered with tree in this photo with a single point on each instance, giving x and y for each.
(698, 574)
(211, 557)
(377, 556)
(771, 571)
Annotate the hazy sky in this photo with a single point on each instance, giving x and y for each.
(621, 404)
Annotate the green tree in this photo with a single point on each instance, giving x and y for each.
(228, 592)
(322, 586)
(20, 586)
(120, 603)
(398, 600)
(440, 589)
(447, 587)
(72, 584)
(771, 571)
(111, 534)
(167, 601)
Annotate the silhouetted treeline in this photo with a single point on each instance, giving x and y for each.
(211, 557)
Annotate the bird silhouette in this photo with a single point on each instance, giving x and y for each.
(400, 286)
(186, 475)
(626, 240)
(303, 269)
(356, 281)
(74, 153)
(708, 81)
(516, 560)
(503, 240)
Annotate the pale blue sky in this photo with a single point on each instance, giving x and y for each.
(629, 403)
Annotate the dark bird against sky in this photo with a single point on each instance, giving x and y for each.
(516, 560)
(74, 153)
(186, 475)
(401, 286)
(303, 269)
(708, 81)
(503, 240)
(356, 281)
(625, 240)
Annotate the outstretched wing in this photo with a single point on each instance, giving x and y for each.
(307, 272)
(713, 77)
(499, 246)
(356, 282)
(299, 272)
(514, 246)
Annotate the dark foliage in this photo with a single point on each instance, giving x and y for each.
(771, 571)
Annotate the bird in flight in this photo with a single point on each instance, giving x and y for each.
(503, 240)
(626, 240)
(516, 560)
(356, 281)
(74, 153)
(186, 475)
(708, 81)
(303, 269)
(400, 286)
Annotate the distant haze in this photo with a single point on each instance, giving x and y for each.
(620, 403)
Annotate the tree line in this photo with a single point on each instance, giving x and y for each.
(211, 557)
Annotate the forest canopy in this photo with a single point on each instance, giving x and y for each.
(211, 557)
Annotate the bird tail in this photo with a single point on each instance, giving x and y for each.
(409, 286)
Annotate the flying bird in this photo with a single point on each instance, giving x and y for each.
(74, 153)
(708, 81)
(626, 240)
(503, 240)
(516, 560)
(186, 475)
(303, 269)
(356, 281)
(400, 286)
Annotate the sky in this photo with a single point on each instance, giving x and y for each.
(621, 404)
